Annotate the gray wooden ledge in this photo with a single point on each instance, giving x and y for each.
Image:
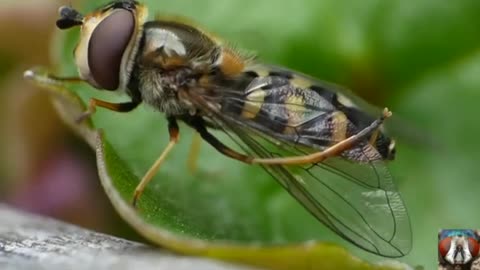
(31, 242)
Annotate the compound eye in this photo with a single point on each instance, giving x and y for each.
(444, 246)
(473, 246)
(107, 46)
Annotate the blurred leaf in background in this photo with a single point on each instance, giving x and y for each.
(419, 58)
(44, 167)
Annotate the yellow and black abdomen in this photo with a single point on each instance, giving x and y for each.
(295, 110)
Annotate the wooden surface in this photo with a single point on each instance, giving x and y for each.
(32, 242)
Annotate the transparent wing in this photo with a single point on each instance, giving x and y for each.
(354, 197)
(357, 201)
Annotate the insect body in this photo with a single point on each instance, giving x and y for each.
(312, 137)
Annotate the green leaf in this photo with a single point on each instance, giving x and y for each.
(420, 58)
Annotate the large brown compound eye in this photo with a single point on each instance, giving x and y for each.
(107, 46)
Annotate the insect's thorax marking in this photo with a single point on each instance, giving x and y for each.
(175, 57)
(163, 66)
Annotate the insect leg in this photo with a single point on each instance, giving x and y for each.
(218, 145)
(41, 76)
(329, 152)
(174, 136)
(118, 107)
(374, 137)
(64, 79)
(44, 78)
(194, 153)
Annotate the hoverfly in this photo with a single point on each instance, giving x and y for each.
(315, 139)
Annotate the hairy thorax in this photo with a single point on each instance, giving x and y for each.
(160, 90)
(169, 61)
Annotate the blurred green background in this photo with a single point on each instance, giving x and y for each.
(419, 58)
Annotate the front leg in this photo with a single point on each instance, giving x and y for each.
(44, 78)
(118, 107)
